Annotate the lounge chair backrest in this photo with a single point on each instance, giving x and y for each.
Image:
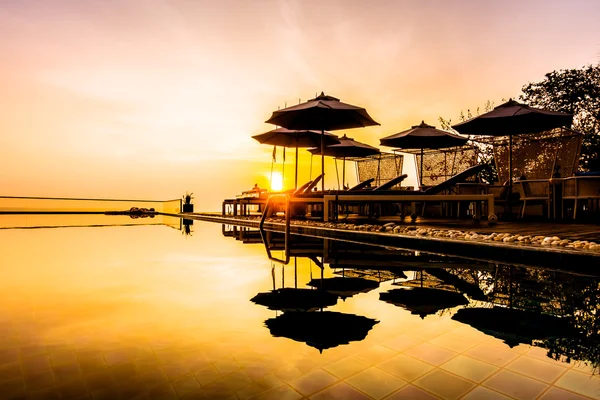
(302, 188)
(312, 184)
(500, 192)
(391, 183)
(362, 185)
(460, 177)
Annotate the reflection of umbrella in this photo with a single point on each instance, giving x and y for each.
(513, 118)
(423, 301)
(512, 325)
(291, 299)
(344, 287)
(300, 138)
(323, 113)
(423, 136)
(321, 330)
(347, 147)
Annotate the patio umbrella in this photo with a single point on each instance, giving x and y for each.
(295, 138)
(344, 287)
(292, 299)
(423, 136)
(423, 301)
(322, 113)
(347, 147)
(322, 329)
(513, 118)
(513, 326)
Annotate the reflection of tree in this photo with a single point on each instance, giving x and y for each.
(186, 227)
(575, 299)
(582, 308)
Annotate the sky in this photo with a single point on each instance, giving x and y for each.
(148, 99)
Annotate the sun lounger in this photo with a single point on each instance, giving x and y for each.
(311, 185)
(362, 185)
(391, 183)
(375, 198)
(458, 178)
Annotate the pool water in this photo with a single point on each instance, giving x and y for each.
(104, 307)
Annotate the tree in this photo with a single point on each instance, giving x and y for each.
(575, 91)
(486, 151)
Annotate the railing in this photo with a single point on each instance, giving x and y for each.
(24, 204)
(270, 201)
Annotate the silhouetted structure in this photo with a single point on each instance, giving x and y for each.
(291, 299)
(295, 139)
(321, 330)
(422, 137)
(344, 287)
(423, 301)
(322, 113)
(513, 326)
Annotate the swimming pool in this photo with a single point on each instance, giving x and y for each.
(144, 311)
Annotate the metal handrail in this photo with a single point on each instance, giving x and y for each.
(261, 228)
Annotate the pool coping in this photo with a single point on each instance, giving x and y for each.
(556, 258)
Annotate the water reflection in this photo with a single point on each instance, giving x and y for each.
(321, 329)
(423, 301)
(141, 312)
(514, 326)
(553, 310)
(186, 227)
(343, 286)
(292, 299)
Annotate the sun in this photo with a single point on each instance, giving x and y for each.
(276, 182)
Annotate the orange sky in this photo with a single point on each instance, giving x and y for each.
(150, 98)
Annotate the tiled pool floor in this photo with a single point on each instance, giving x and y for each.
(428, 364)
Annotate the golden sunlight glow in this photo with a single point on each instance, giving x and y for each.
(276, 182)
(148, 117)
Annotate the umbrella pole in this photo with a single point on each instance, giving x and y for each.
(337, 174)
(323, 161)
(271, 179)
(510, 179)
(421, 171)
(283, 169)
(273, 274)
(344, 172)
(296, 178)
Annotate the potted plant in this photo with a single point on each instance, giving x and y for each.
(187, 202)
(186, 228)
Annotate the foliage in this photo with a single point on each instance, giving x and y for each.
(186, 228)
(574, 299)
(486, 151)
(187, 198)
(575, 91)
(581, 306)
